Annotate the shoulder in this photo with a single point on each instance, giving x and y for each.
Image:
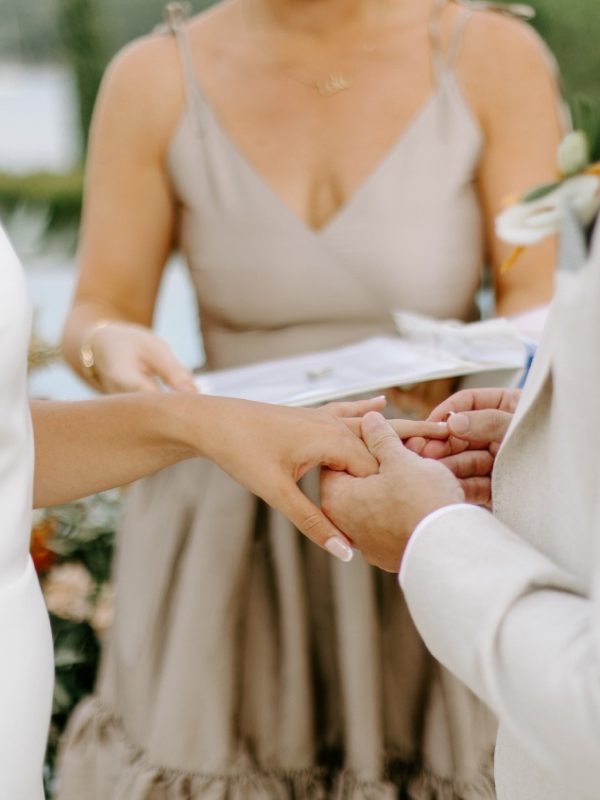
(149, 72)
(498, 43)
(505, 65)
(142, 93)
(145, 69)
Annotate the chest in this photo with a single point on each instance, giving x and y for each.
(316, 149)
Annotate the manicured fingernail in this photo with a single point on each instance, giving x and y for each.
(442, 426)
(459, 423)
(339, 548)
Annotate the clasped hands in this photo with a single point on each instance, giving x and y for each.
(375, 489)
(433, 468)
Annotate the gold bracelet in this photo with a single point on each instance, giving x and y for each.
(86, 352)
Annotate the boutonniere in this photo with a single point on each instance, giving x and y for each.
(536, 214)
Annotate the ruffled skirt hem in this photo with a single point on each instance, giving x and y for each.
(98, 762)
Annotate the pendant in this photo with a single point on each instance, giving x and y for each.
(335, 82)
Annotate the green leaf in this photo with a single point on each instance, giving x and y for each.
(586, 117)
(540, 191)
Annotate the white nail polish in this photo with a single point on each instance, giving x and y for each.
(339, 548)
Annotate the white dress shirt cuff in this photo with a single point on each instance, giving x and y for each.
(439, 512)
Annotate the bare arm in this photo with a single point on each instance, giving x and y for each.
(128, 220)
(510, 81)
(87, 447)
(82, 448)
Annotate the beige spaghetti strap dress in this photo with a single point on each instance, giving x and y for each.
(245, 663)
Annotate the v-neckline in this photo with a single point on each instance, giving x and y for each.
(346, 207)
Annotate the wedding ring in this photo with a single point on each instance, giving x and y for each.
(318, 373)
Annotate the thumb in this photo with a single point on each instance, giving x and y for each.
(380, 438)
(485, 426)
(170, 371)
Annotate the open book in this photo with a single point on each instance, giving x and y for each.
(425, 350)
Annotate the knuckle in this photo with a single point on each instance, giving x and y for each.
(384, 439)
(312, 525)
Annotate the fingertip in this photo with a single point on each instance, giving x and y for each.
(458, 424)
(340, 548)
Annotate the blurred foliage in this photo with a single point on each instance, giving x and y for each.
(74, 679)
(57, 196)
(571, 29)
(86, 33)
(82, 37)
(31, 30)
(71, 548)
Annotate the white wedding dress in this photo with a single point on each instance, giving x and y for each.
(26, 663)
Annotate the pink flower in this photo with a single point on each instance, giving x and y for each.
(67, 589)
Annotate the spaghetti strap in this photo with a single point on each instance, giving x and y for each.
(444, 60)
(435, 37)
(175, 15)
(458, 35)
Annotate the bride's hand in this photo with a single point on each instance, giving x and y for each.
(269, 448)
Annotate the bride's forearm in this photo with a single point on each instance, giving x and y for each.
(87, 447)
(90, 446)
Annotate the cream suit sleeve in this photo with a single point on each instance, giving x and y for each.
(518, 630)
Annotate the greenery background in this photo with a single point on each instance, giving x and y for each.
(86, 33)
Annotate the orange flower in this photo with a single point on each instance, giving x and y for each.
(43, 557)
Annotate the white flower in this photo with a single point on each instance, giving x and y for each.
(38, 517)
(528, 223)
(67, 589)
(573, 153)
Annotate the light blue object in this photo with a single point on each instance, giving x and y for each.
(531, 350)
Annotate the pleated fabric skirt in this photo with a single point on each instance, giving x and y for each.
(246, 663)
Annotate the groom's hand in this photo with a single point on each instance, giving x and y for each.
(477, 423)
(380, 512)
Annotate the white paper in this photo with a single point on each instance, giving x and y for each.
(530, 324)
(368, 366)
(492, 342)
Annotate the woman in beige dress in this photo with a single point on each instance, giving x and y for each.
(319, 164)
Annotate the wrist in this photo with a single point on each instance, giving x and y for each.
(189, 422)
(87, 356)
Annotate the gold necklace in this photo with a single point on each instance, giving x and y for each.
(336, 80)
